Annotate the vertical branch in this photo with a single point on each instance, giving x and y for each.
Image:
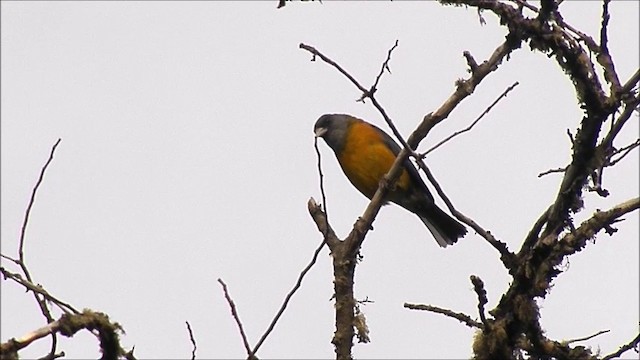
(30, 206)
(344, 268)
(44, 309)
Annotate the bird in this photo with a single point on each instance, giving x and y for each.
(366, 154)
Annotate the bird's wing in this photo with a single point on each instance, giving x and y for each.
(413, 173)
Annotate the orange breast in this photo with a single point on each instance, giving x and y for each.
(365, 159)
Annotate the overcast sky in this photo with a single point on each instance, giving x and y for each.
(187, 155)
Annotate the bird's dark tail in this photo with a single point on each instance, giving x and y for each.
(445, 229)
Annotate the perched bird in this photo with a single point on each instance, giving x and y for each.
(366, 154)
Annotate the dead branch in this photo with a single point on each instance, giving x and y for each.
(193, 341)
(468, 128)
(291, 293)
(584, 338)
(39, 290)
(478, 287)
(236, 317)
(463, 318)
(633, 344)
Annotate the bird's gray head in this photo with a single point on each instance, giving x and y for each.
(333, 129)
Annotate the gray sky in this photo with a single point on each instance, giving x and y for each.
(187, 155)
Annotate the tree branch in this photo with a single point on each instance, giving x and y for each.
(468, 128)
(463, 318)
(193, 341)
(234, 313)
(68, 325)
(633, 344)
(478, 287)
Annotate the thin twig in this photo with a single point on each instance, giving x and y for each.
(67, 308)
(193, 341)
(385, 66)
(586, 337)
(288, 297)
(324, 58)
(44, 309)
(624, 150)
(321, 176)
(15, 261)
(633, 344)
(234, 313)
(506, 256)
(365, 93)
(30, 206)
(485, 112)
(463, 318)
(551, 171)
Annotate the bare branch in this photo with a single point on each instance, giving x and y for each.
(506, 256)
(468, 128)
(385, 66)
(31, 202)
(38, 290)
(322, 192)
(464, 88)
(463, 318)
(616, 127)
(15, 261)
(290, 294)
(577, 239)
(586, 337)
(478, 287)
(234, 313)
(324, 58)
(625, 150)
(551, 171)
(193, 341)
(633, 344)
(21, 259)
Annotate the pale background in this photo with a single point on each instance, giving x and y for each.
(187, 155)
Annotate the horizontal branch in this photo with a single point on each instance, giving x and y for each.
(577, 239)
(463, 318)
